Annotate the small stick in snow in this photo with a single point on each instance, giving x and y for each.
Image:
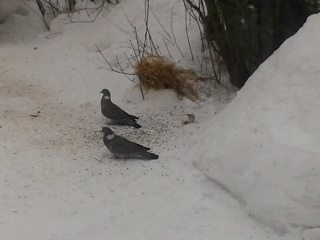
(98, 160)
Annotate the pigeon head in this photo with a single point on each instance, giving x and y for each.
(107, 132)
(106, 94)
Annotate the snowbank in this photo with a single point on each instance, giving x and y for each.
(6, 7)
(264, 146)
(19, 21)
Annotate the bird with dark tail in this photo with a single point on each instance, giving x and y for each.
(123, 148)
(115, 113)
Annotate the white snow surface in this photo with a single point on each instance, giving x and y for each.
(58, 180)
(264, 146)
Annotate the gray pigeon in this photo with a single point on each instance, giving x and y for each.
(114, 113)
(123, 148)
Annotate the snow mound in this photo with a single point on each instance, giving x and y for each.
(264, 146)
(19, 21)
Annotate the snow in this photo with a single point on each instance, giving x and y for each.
(58, 180)
(264, 146)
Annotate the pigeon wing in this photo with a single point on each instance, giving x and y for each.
(128, 122)
(112, 111)
(123, 146)
(145, 156)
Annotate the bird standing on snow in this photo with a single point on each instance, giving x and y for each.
(123, 148)
(114, 113)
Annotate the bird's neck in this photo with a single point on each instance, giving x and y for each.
(107, 98)
(108, 137)
(105, 140)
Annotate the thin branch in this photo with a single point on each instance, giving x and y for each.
(167, 47)
(99, 9)
(122, 71)
(146, 20)
(125, 14)
(33, 10)
(197, 20)
(164, 37)
(141, 90)
(98, 160)
(193, 6)
(174, 37)
(160, 23)
(136, 57)
(53, 8)
(200, 64)
(128, 59)
(110, 66)
(187, 32)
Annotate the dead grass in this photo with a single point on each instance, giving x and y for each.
(156, 72)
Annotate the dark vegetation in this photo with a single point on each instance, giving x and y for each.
(246, 32)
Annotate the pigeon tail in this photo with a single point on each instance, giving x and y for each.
(136, 125)
(133, 117)
(129, 122)
(148, 156)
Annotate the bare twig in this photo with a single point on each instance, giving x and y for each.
(110, 66)
(146, 20)
(164, 37)
(98, 9)
(125, 14)
(200, 64)
(136, 56)
(187, 32)
(98, 160)
(167, 47)
(122, 71)
(33, 10)
(197, 20)
(141, 90)
(198, 14)
(174, 37)
(53, 8)
(160, 23)
(128, 59)
(41, 8)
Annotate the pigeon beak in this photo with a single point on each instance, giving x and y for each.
(101, 92)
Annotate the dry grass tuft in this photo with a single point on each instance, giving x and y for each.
(156, 72)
